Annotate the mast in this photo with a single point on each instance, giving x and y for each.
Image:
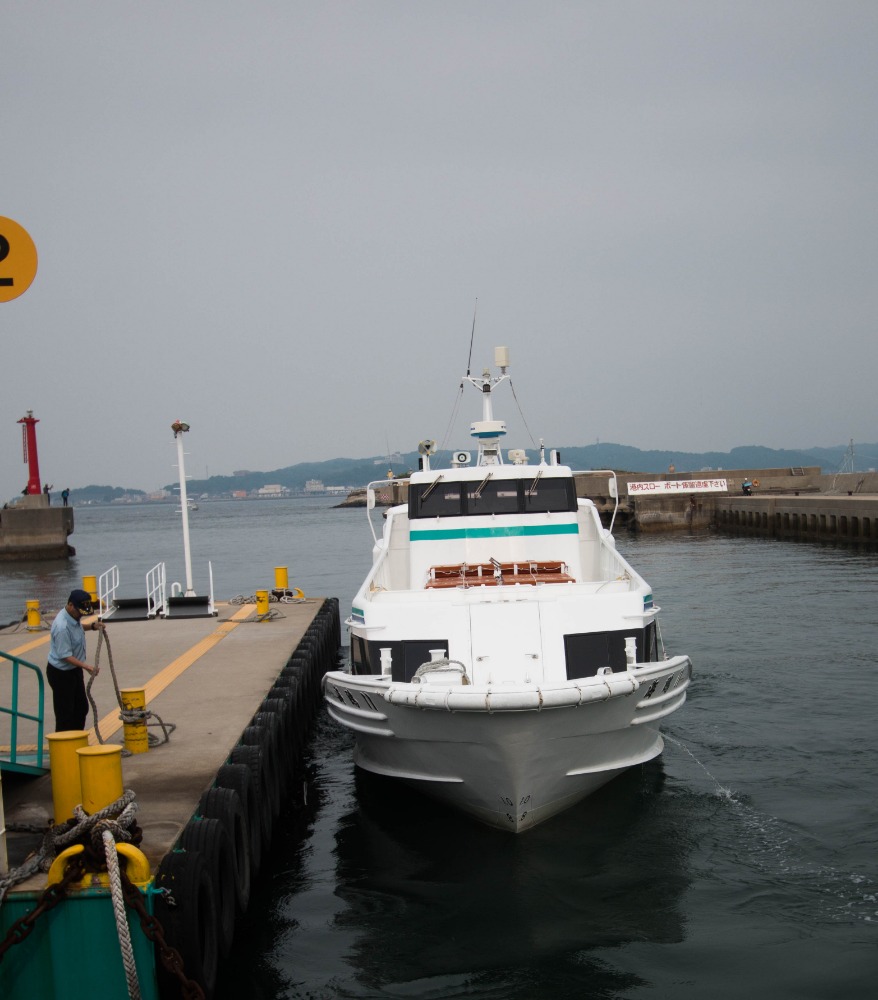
(488, 431)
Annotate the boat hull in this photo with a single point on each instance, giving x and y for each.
(509, 768)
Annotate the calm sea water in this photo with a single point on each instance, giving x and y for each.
(743, 863)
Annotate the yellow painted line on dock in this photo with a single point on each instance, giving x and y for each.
(28, 646)
(111, 723)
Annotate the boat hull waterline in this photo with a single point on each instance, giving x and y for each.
(509, 767)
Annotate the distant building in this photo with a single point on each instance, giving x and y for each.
(273, 490)
(315, 486)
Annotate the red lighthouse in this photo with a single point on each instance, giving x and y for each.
(29, 445)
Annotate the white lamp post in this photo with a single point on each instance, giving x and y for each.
(178, 427)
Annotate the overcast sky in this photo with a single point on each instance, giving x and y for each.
(273, 220)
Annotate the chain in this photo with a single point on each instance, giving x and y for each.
(171, 959)
(50, 898)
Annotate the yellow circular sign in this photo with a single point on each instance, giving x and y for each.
(18, 260)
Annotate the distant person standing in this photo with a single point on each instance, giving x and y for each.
(46, 489)
(65, 495)
(67, 662)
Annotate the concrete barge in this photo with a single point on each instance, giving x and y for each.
(239, 691)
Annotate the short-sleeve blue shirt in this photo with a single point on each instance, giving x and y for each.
(68, 639)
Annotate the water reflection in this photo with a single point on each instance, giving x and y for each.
(431, 894)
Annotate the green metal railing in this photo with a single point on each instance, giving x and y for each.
(16, 761)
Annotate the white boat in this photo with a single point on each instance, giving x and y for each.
(504, 657)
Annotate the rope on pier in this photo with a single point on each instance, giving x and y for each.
(129, 716)
(122, 929)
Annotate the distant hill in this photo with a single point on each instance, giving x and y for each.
(605, 455)
(98, 494)
(359, 471)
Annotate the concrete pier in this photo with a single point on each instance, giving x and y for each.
(32, 529)
(207, 676)
(239, 691)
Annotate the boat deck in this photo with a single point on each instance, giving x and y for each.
(206, 676)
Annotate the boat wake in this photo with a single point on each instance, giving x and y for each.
(771, 850)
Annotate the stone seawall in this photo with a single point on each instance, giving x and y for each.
(847, 520)
(35, 532)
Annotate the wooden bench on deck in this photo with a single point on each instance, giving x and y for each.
(487, 575)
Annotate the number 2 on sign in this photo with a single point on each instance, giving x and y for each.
(4, 253)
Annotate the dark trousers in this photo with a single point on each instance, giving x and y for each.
(68, 698)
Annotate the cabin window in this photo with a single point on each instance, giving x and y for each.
(586, 652)
(359, 656)
(406, 656)
(650, 644)
(436, 500)
(493, 497)
(544, 495)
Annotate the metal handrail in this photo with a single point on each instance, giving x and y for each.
(108, 584)
(16, 714)
(156, 597)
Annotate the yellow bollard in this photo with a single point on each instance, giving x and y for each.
(136, 735)
(90, 585)
(261, 603)
(281, 578)
(100, 771)
(33, 615)
(64, 765)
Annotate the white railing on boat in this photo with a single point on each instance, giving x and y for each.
(108, 584)
(156, 591)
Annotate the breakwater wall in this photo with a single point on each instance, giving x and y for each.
(31, 529)
(846, 520)
(785, 503)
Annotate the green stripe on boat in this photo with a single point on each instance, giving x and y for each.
(441, 534)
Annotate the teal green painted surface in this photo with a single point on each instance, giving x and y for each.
(73, 950)
(443, 534)
(24, 728)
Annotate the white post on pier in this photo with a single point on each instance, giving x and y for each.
(178, 427)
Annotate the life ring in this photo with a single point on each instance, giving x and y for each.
(755, 484)
(237, 778)
(211, 839)
(186, 913)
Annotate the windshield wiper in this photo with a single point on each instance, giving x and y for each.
(478, 492)
(430, 488)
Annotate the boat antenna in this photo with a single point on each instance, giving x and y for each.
(469, 362)
(521, 412)
(472, 337)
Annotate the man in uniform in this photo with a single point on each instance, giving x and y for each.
(67, 663)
